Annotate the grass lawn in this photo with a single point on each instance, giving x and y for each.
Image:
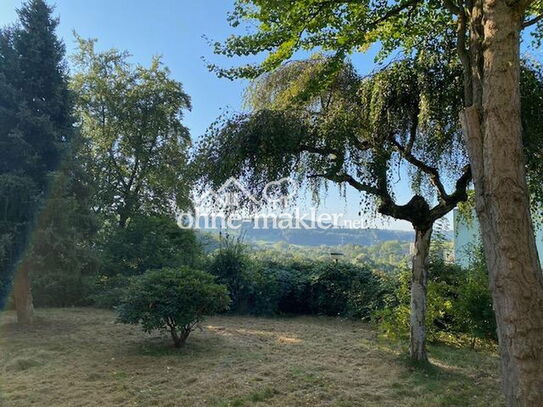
(80, 357)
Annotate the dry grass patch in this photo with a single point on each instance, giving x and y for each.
(80, 357)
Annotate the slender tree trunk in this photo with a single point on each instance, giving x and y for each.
(419, 279)
(23, 295)
(494, 138)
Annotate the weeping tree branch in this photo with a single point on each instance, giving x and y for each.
(360, 145)
(417, 211)
(349, 179)
(336, 172)
(338, 175)
(323, 151)
(432, 172)
(460, 194)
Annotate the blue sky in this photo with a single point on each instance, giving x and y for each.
(175, 29)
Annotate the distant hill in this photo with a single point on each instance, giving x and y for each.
(327, 237)
(318, 237)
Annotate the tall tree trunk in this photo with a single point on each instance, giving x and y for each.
(23, 295)
(419, 279)
(494, 138)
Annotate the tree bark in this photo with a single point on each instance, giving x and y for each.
(179, 339)
(494, 139)
(23, 295)
(419, 279)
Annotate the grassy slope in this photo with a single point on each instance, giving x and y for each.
(80, 357)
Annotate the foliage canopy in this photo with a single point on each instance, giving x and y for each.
(131, 117)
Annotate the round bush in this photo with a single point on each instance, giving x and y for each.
(173, 300)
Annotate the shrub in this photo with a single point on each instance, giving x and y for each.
(61, 288)
(147, 243)
(344, 289)
(473, 310)
(281, 287)
(458, 302)
(393, 319)
(295, 288)
(265, 290)
(230, 264)
(108, 291)
(443, 287)
(173, 300)
(267, 286)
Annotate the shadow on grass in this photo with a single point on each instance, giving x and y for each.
(464, 358)
(453, 383)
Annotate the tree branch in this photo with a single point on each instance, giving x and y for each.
(453, 8)
(323, 151)
(336, 174)
(460, 194)
(360, 145)
(349, 179)
(532, 21)
(116, 166)
(461, 47)
(432, 172)
(395, 11)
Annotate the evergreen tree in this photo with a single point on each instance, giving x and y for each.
(61, 253)
(36, 126)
